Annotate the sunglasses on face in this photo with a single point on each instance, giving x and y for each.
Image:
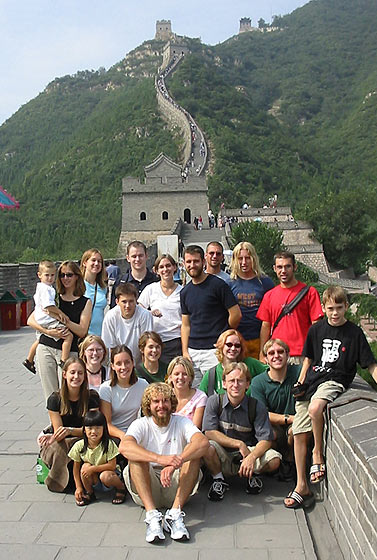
(66, 274)
(230, 345)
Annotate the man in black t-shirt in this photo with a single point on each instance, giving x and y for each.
(333, 348)
(208, 308)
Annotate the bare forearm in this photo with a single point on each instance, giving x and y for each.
(279, 419)
(185, 334)
(261, 448)
(265, 333)
(134, 452)
(305, 366)
(196, 448)
(223, 440)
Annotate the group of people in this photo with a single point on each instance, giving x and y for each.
(229, 372)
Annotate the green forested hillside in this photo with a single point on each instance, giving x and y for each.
(293, 111)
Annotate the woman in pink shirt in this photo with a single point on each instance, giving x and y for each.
(191, 402)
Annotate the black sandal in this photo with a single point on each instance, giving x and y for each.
(119, 497)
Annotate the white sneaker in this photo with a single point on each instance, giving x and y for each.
(173, 524)
(154, 528)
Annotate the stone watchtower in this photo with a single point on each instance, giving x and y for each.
(245, 25)
(163, 30)
(151, 207)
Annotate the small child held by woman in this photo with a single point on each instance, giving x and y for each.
(94, 459)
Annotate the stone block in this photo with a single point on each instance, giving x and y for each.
(236, 554)
(76, 534)
(52, 511)
(12, 511)
(358, 417)
(29, 552)
(35, 493)
(11, 533)
(268, 537)
(92, 553)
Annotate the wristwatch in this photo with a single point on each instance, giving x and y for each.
(286, 418)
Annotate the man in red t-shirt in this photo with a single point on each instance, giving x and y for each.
(294, 326)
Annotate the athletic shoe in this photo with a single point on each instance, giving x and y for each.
(218, 489)
(173, 524)
(154, 529)
(254, 485)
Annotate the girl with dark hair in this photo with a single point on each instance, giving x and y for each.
(121, 395)
(152, 369)
(94, 457)
(66, 409)
(163, 300)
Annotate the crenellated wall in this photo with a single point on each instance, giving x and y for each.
(350, 491)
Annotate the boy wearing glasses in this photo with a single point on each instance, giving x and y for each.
(46, 313)
(214, 257)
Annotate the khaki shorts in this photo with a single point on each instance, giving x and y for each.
(162, 497)
(230, 468)
(328, 391)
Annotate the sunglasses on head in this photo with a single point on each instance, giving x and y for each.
(66, 274)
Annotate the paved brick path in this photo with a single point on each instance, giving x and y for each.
(39, 525)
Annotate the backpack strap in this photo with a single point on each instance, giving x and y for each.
(289, 307)
(220, 408)
(252, 408)
(211, 380)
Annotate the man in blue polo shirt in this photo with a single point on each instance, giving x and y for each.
(240, 435)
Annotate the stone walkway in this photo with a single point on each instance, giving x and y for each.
(39, 525)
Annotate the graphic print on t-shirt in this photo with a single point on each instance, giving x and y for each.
(330, 350)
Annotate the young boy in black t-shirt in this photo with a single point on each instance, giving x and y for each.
(333, 348)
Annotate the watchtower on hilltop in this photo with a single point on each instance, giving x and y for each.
(173, 49)
(245, 25)
(163, 30)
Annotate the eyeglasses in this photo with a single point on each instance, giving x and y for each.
(231, 344)
(66, 274)
(217, 253)
(94, 350)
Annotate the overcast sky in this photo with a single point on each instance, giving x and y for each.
(44, 39)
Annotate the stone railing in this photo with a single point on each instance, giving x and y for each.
(350, 492)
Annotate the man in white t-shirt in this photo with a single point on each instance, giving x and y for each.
(127, 321)
(163, 452)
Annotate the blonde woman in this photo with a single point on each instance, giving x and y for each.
(248, 285)
(230, 347)
(95, 276)
(191, 402)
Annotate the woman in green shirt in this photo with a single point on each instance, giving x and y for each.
(230, 347)
(151, 369)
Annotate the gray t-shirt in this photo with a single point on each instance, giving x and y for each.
(125, 402)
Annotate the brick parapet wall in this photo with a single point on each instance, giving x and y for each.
(350, 494)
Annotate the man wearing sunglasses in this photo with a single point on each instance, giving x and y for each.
(214, 257)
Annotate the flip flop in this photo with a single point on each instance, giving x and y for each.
(315, 469)
(299, 501)
(86, 499)
(119, 496)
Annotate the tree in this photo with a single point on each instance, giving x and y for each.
(262, 24)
